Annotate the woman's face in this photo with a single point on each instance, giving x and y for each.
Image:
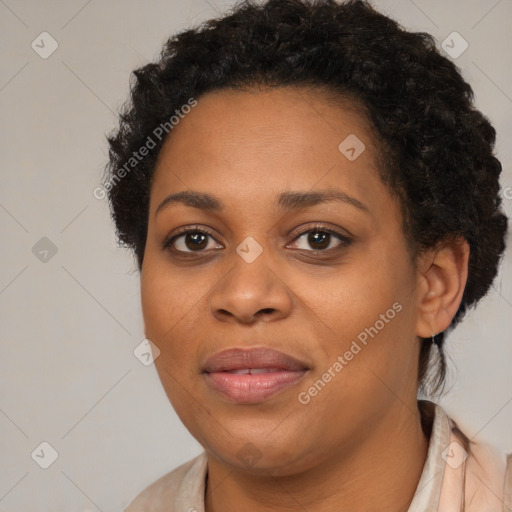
(296, 264)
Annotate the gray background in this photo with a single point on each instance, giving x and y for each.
(68, 375)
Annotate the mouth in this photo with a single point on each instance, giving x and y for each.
(252, 375)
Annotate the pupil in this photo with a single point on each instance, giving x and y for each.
(319, 238)
(195, 241)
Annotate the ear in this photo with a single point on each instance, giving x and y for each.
(442, 276)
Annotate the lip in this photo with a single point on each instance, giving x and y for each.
(230, 373)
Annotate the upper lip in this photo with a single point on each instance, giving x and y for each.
(260, 357)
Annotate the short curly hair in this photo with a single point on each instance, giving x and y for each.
(436, 149)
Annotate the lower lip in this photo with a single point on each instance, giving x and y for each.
(249, 389)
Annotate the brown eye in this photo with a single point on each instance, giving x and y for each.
(195, 241)
(192, 240)
(320, 239)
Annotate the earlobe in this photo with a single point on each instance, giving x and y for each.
(442, 276)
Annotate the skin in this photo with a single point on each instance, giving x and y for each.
(358, 444)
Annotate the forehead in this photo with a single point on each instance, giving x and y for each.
(289, 116)
(254, 140)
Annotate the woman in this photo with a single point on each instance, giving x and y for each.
(313, 202)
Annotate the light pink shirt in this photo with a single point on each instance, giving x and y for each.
(454, 479)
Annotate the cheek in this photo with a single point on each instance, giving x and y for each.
(369, 311)
(171, 311)
(171, 314)
(355, 296)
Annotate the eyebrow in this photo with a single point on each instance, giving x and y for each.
(286, 201)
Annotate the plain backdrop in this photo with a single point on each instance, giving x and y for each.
(69, 297)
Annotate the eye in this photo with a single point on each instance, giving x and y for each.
(321, 239)
(198, 240)
(191, 240)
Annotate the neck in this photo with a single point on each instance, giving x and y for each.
(381, 473)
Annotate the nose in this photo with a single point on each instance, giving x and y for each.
(251, 292)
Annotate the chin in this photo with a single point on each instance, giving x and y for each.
(256, 455)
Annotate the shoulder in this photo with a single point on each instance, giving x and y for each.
(479, 473)
(184, 486)
(488, 478)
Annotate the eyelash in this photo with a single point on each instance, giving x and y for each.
(343, 239)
